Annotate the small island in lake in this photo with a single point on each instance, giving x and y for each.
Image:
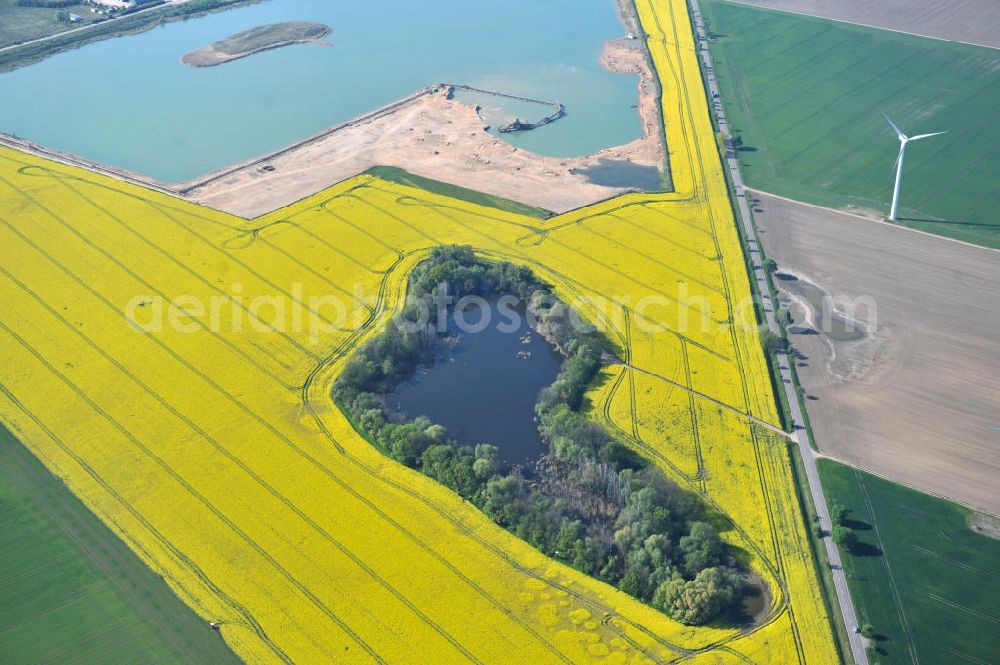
(255, 40)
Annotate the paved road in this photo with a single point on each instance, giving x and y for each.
(799, 434)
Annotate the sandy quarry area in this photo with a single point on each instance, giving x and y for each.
(440, 138)
(919, 398)
(970, 21)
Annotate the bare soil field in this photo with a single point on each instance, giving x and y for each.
(969, 21)
(443, 139)
(916, 399)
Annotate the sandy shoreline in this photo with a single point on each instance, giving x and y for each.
(440, 138)
(207, 57)
(429, 134)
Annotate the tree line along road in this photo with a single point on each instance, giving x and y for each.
(799, 432)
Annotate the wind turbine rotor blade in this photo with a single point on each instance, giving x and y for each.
(898, 131)
(924, 136)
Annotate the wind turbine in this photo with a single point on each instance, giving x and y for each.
(903, 140)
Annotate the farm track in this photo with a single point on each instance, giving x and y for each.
(179, 556)
(338, 354)
(271, 386)
(566, 284)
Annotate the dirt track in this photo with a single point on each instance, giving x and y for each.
(971, 21)
(918, 401)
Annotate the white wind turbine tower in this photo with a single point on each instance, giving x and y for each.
(903, 140)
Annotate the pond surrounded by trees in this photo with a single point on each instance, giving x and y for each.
(484, 385)
(589, 500)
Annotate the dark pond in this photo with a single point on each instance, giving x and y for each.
(484, 388)
(752, 605)
(622, 173)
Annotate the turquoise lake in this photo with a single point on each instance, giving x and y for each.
(128, 101)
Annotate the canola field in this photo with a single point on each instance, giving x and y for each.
(210, 444)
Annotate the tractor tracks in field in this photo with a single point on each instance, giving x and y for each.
(338, 353)
(315, 400)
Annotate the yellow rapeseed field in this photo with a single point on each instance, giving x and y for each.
(173, 365)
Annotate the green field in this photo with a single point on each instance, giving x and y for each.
(19, 24)
(71, 592)
(22, 24)
(926, 582)
(394, 174)
(806, 97)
